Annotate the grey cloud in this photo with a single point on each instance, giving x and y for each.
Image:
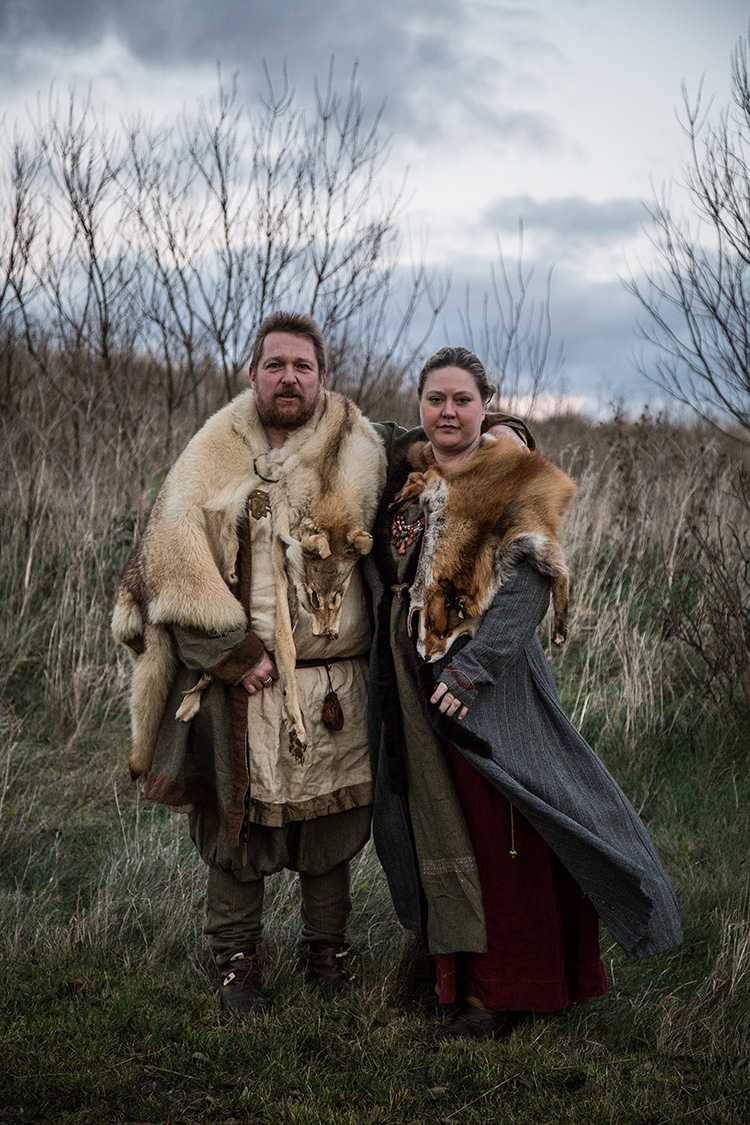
(444, 67)
(596, 321)
(537, 130)
(22, 21)
(165, 33)
(174, 31)
(568, 217)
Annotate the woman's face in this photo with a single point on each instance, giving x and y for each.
(451, 411)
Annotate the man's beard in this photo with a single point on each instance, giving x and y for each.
(283, 417)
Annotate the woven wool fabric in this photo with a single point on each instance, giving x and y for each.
(518, 736)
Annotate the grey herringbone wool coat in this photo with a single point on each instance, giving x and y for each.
(518, 736)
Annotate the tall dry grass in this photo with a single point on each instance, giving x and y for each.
(91, 872)
(658, 543)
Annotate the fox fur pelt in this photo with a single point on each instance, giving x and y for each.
(323, 482)
(483, 516)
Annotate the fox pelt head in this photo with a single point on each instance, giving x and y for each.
(328, 533)
(483, 516)
(322, 563)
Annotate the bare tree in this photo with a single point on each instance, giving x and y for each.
(137, 261)
(19, 229)
(142, 258)
(515, 337)
(237, 214)
(697, 295)
(176, 196)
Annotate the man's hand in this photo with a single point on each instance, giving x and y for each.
(262, 676)
(447, 702)
(507, 431)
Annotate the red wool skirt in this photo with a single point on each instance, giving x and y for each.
(542, 932)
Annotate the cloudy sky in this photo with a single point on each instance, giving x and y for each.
(561, 113)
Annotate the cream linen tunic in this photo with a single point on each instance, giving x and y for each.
(335, 774)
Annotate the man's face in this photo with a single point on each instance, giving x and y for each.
(286, 382)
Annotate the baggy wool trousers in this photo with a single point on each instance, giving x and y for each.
(319, 850)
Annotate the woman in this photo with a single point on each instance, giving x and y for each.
(502, 835)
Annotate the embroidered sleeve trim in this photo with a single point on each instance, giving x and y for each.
(465, 864)
(463, 680)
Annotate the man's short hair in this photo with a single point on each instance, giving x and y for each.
(298, 324)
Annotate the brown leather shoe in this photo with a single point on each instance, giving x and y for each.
(325, 966)
(474, 1023)
(240, 984)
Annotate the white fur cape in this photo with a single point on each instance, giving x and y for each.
(183, 572)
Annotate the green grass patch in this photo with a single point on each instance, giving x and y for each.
(111, 1012)
(110, 1009)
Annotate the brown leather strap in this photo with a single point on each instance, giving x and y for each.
(322, 663)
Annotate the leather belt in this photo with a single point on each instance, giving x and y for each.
(322, 663)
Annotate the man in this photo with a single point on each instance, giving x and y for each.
(243, 711)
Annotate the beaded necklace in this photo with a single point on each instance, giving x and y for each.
(404, 533)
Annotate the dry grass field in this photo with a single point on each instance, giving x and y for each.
(109, 1013)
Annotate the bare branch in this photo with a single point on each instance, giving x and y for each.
(696, 296)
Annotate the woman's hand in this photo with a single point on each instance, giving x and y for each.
(447, 702)
(262, 675)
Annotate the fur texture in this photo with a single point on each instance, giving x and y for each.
(482, 517)
(323, 551)
(325, 480)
